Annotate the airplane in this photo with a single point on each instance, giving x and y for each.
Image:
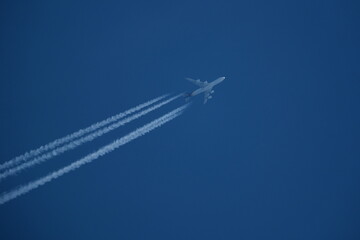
(204, 87)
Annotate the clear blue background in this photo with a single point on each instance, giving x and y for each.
(275, 154)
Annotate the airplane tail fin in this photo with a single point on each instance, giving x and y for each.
(187, 96)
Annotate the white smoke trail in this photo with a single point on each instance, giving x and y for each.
(91, 157)
(80, 141)
(77, 134)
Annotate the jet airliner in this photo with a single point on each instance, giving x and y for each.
(204, 87)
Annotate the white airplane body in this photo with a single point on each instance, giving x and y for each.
(205, 88)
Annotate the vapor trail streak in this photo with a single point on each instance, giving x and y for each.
(80, 141)
(77, 134)
(91, 157)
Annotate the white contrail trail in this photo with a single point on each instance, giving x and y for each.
(77, 134)
(80, 141)
(91, 157)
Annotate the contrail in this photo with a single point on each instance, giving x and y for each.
(77, 134)
(79, 142)
(91, 157)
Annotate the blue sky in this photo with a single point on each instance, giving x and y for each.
(274, 155)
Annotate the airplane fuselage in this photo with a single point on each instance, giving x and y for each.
(208, 87)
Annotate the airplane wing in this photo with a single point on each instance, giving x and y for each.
(197, 82)
(207, 95)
